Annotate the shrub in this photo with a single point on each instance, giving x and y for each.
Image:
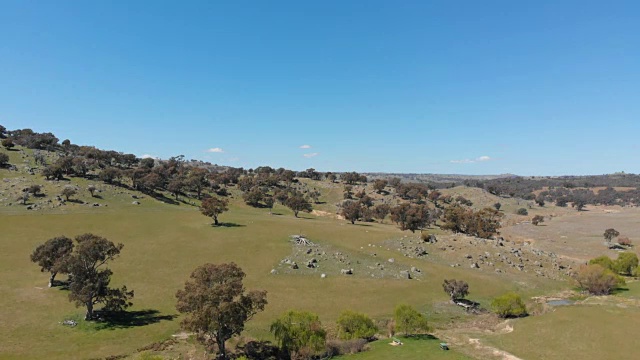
(409, 321)
(352, 325)
(597, 279)
(626, 263)
(522, 211)
(603, 261)
(4, 159)
(509, 305)
(344, 347)
(537, 220)
(624, 241)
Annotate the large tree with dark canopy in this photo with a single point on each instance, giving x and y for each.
(296, 202)
(52, 255)
(216, 304)
(351, 210)
(89, 277)
(410, 216)
(457, 289)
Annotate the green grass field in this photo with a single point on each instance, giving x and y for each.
(419, 348)
(164, 243)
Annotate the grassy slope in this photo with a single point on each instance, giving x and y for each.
(164, 243)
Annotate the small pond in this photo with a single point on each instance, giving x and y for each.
(560, 302)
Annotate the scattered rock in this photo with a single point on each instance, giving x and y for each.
(136, 203)
(346, 271)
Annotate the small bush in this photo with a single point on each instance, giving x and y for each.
(597, 279)
(509, 305)
(352, 325)
(603, 261)
(626, 263)
(522, 211)
(624, 241)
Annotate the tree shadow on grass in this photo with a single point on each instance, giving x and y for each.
(263, 350)
(421, 337)
(619, 290)
(228, 225)
(127, 319)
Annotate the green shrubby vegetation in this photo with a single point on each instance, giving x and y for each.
(509, 305)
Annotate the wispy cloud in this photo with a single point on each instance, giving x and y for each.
(147, 156)
(215, 150)
(310, 155)
(471, 161)
(305, 147)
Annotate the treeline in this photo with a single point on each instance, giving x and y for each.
(578, 190)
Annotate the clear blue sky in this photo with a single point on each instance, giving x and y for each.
(470, 87)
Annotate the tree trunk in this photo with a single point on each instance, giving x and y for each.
(89, 314)
(215, 220)
(295, 213)
(52, 278)
(221, 347)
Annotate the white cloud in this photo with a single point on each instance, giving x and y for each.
(471, 161)
(147, 156)
(310, 155)
(215, 150)
(305, 147)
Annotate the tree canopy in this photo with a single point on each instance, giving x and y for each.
(299, 333)
(52, 256)
(216, 304)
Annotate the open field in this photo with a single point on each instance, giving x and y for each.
(164, 243)
(579, 235)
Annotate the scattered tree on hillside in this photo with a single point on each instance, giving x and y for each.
(483, 223)
(296, 202)
(269, 201)
(92, 189)
(561, 202)
(379, 185)
(597, 280)
(540, 200)
(381, 211)
(68, 191)
(34, 189)
(216, 304)
(348, 192)
(351, 210)
(213, 207)
(410, 216)
(538, 219)
(353, 325)
(409, 321)
(23, 197)
(609, 234)
(579, 204)
(253, 197)
(176, 186)
(52, 255)
(522, 211)
(8, 144)
(497, 206)
(457, 289)
(89, 279)
(110, 175)
(4, 159)
(509, 305)
(299, 333)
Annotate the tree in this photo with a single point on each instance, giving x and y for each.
(537, 220)
(197, 180)
(52, 255)
(89, 279)
(269, 201)
(351, 210)
(34, 189)
(175, 186)
(381, 211)
(4, 159)
(299, 333)
(410, 216)
(457, 289)
(8, 144)
(379, 185)
(297, 203)
(216, 304)
(497, 206)
(353, 325)
(609, 234)
(509, 305)
(409, 321)
(624, 241)
(68, 192)
(253, 196)
(92, 189)
(522, 211)
(540, 200)
(626, 263)
(213, 207)
(579, 204)
(24, 197)
(596, 279)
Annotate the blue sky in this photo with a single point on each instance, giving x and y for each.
(469, 87)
